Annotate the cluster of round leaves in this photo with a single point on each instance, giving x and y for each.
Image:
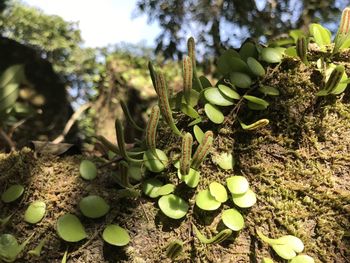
(241, 70)
(211, 199)
(287, 248)
(69, 227)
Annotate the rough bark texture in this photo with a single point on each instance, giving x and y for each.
(298, 166)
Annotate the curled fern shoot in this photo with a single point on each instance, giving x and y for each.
(164, 102)
(186, 152)
(202, 150)
(221, 236)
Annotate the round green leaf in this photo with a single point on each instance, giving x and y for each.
(233, 219)
(240, 80)
(9, 247)
(256, 67)
(205, 201)
(237, 184)
(254, 106)
(271, 55)
(165, 190)
(214, 114)
(194, 97)
(229, 92)
(257, 100)
(155, 164)
(247, 50)
(284, 251)
(12, 193)
(218, 191)
(225, 161)
(70, 229)
(191, 179)
(302, 259)
(115, 235)
(189, 111)
(267, 260)
(214, 96)
(293, 242)
(151, 186)
(88, 170)
(226, 61)
(267, 90)
(135, 172)
(173, 206)
(35, 212)
(245, 200)
(291, 51)
(198, 133)
(93, 206)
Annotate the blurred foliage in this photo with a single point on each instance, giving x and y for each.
(57, 40)
(220, 21)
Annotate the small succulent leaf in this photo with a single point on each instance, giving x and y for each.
(322, 36)
(296, 33)
(248, 199)
(12, 74)
(116, 235)
(284, 251)
(165, 190)
(233, 219)
(205, 82)
(218, 191)
(70, 229)
(174, 249)
(218, 238)
(247, 50)
(35, 212)
(302, 259)
(198, 133)
(268, 90)
(205, 201)
(271, 55)
(189, 111)
(228, 92)
(173, 206)
(93, 206)
(256, 100)
(155, 164)
(216, 97)
(12, 193)
(191, 179)
(151, 186)
(237, 184)
(225, 160)
(267, 260)
(194, 122)
(213, 113)
(292, 241)
(291, 52)
(87, 170)
(240, 80)
(256, 125)
(255, 67)
(227, 60)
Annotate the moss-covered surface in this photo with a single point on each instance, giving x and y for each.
(298, 166)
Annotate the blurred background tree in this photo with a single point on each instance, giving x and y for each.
(229, 22)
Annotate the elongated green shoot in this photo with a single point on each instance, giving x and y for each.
(343, 33)
(153, 75)
(186, 152)
(191, 46)
(151, 129)
(187, 73)
(221, 236)
(164, 103)
(202, 150)
(255, 125)
(37, 250)
(334, 78)
(123, 180)
(128, 116)
(121, 143)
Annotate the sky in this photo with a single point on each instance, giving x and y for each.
(102, 22)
